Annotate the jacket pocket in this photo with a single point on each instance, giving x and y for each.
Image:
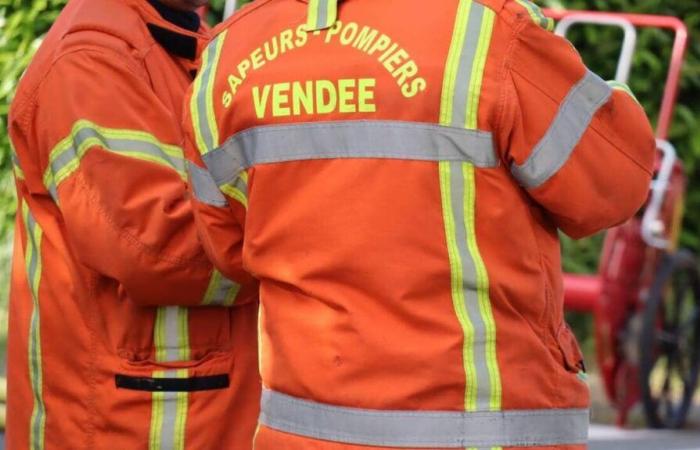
(211, 372)
(571, 355)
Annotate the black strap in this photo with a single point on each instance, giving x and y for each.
(207, 383)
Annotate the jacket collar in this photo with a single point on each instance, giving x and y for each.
(176, 40)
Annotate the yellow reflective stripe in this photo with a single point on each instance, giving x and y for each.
(537, 15)
(477, 77)
(482, 288)
(194, 103)
(618, 86)
(452, 65)
(237, 189)
(234, 193)
(206, 130)
(212, 288)
(211, 116)
(18, 172)
(220, 291)
(181, 419)
(17, 169)
(169, 409)
(321, 14)
(65, 157)
(157, 407)
(461, 94)
(184, 334)
(457, 280)
(33, 263)
(231, 296)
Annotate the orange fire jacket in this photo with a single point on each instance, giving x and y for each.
(395, 173)
(121, 334)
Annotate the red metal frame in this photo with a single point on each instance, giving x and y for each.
(627, 265)
(680, 45)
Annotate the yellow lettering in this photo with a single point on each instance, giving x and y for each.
(332, 31)
(416, 86)
(366, 95)
(227, 99)
(243, 68)
(280, 100)
(303, 97)
(395, 59)
(260, 102)
(233, 83)
(403, 73)
(325, 88)
(346, 96)
(349, 33)
(388, 52)
(365, 38)
(257, 58)
(286, 41)
(271, 49)
(380, 44)
(302, 36)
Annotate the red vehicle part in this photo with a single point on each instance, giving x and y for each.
(627, 265)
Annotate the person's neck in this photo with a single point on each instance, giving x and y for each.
(189, 20)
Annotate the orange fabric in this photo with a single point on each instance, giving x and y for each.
(351, 254)
(118, 241)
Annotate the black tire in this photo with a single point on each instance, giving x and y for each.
(669, 345)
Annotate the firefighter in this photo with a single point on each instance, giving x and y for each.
(122, 336)
(395, 174)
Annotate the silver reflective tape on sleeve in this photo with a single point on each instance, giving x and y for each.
(204, 187)
(564, 134)
(349, 139)
(423, 429)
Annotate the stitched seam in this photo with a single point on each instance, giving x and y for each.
(92, 196)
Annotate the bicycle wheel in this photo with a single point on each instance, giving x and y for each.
(670, 342)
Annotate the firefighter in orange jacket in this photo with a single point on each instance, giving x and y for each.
(121, 334)
(395, 173)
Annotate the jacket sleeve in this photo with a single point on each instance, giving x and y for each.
(582, 148)
(218, 187)
(112, 161)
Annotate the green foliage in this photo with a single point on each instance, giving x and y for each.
(22, 23)
(600, 47)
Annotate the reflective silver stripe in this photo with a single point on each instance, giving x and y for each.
(15, 160)
(172, 333)
(423, 429)
(226, 292)
(322, 17)
(66, 157)
(34, 271)
(463, 81)
(204, 111)
(167, 431)
(470, 288)
(242, 185)
(352, 139)
(115, 145)
(321, 14)
(204, 187)
(221, 291)
(571, 122)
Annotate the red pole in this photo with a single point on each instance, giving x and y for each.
(680, 45)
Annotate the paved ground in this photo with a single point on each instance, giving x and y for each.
(604, 437)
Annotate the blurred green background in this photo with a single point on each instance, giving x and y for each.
(24, 22)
